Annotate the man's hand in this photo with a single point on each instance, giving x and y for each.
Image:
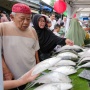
(69, 42)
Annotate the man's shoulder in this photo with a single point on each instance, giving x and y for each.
(33, 32)
(6, 23)
(31, 29)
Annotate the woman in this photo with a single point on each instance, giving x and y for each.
(76, 33)
(47, 40)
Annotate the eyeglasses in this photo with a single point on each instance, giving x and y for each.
(42, 21)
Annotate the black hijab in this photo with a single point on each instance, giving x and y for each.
(47, 40)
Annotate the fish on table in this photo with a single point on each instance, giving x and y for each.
(67, 70)
(68, 55)
(74, 47)
(55, 86)
(65, 63)
(40, 67)
(51, 77)
(86, 65)
(83, 60)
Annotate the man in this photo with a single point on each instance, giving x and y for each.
(64, 20)
(20, 43)
(53, 21)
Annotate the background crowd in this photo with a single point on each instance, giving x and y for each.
(28, 41)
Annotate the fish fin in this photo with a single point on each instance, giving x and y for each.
(78, 64)
(30, 85)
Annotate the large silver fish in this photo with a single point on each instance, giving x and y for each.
(67, 70)
(51, 77)
(67, 55)
(80, 54)
(87, 65)
(86, 54)
(65, 63)
(72, 51)
(83, 60)
(74, 47)
(55, 86)
(40, 67)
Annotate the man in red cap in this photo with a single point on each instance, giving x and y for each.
(20, 43)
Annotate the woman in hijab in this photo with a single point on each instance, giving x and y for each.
(47, 40)
(76, 33)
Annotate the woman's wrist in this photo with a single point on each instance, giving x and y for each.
(20, 82)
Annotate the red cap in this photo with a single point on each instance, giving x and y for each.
(21, 8)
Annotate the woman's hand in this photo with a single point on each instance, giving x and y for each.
(27, 77)
(9, 84)
(69, 42)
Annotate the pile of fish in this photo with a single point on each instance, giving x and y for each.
(84, 61)
(67, 61)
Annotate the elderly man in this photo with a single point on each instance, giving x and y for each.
(19, 43)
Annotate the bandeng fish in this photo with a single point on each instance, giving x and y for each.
(55, 86)
(67, 70)
(40, 67)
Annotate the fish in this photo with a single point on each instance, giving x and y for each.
(86, 54)
(66, 51)
(80, 54)
(74, 47)
(53, 68)
(51, 77)
(55, 86)
(87, 65)
(86, 59)
(65, 63)
(67, 55)
(44, 65)
(67, 70)
(88, 46)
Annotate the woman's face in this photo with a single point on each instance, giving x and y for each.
(42, 22)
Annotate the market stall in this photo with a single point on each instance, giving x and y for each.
(79, 78)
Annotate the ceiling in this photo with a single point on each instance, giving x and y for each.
(82, 5)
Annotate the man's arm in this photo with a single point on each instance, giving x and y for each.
(37, 57)
(7, 75)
